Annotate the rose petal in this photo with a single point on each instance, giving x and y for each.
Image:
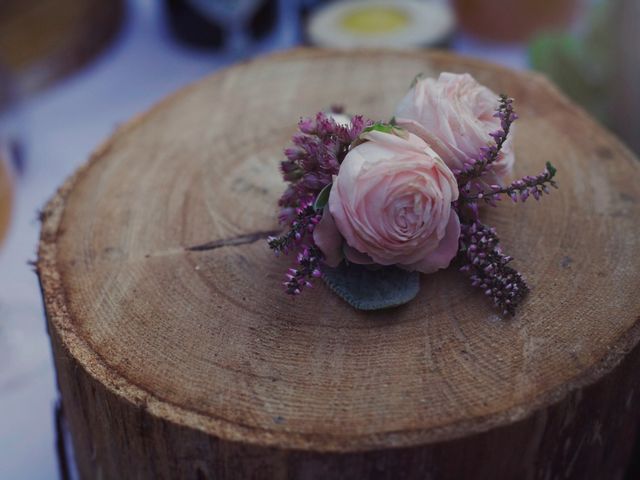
(354, 256)
(328, 239)
(445, 252)
(443, 149)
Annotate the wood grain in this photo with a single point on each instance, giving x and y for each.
(183, 362)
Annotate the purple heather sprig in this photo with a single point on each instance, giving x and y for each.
(487, 267)
(306, 218)
(308, 267)
(479, 247)
(489, 154)
(297, 239)
(518, 190)
(318, 148)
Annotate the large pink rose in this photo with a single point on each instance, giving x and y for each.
(390, 204)
(455, 115)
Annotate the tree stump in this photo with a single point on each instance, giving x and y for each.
(183, 363)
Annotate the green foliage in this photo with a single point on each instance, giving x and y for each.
(380, 127)
(551, 169)
(367, 288)
(323, 198)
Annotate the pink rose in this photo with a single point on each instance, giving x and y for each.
(390, 204)
(454, 115)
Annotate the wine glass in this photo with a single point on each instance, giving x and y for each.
(233, 16)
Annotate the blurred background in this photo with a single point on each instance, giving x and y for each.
(72, 70)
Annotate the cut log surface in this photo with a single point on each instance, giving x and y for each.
(192, 363)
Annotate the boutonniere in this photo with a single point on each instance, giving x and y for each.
(370, 206)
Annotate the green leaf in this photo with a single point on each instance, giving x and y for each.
(416, 79)
(323, 198)
(380, 127)
(367, 289)
(551, 169)
(390, 128)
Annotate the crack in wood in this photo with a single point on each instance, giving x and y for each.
(233, 241)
